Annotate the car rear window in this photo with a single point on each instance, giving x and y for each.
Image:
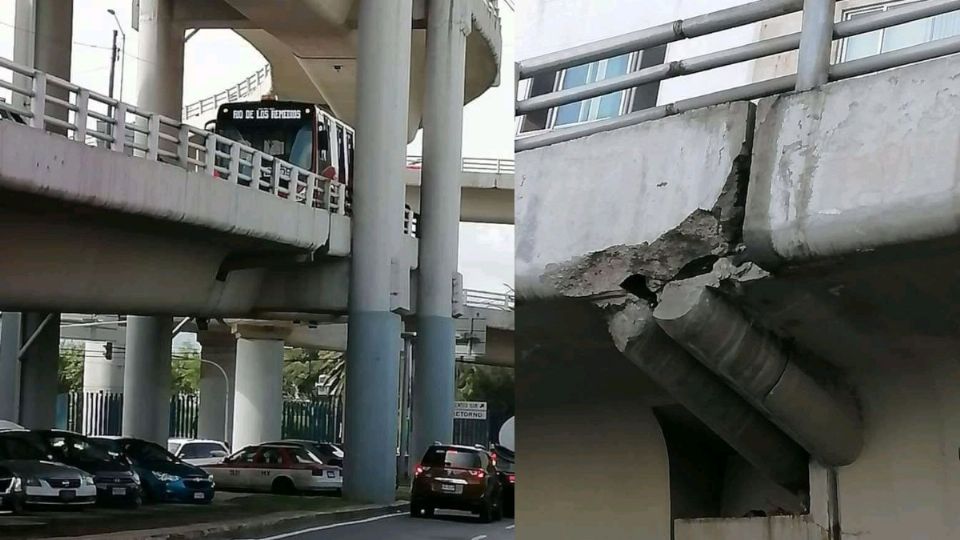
(200, 450)
(451, 457)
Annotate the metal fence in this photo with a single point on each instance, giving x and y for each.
(57, 106)
(477, 165)
(488, 299)
(318, 419)
(814, 42)
(235, 93)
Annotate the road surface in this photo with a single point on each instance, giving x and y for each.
(445, 526)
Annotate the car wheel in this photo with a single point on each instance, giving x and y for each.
(429, 511)
(16, 506)
(415, 510)
(486, 512)
(283, 486)
(498, 511)
(136, 502)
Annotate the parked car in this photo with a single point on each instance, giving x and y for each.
(12, 496)
(329, 453)
(6, 425)
(284, 467)
(163, 476)
(199, 452)
(117, 482)
(45, 482)
(457, 478)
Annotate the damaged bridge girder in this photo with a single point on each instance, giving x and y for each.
(757, 365)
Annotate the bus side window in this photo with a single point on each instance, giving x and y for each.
(348, 177)
(323, 147)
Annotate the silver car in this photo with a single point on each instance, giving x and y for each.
(45, 482)
(199, 452)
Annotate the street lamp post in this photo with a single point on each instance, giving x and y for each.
(123, 53)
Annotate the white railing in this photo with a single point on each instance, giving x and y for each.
(475, 165)
(235, 93)
(488, 299)
(813, 42)
(61, 107)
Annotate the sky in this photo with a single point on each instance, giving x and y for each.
(217, 59)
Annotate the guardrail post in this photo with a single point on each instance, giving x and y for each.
(38, 104)
(210, 155)
(328, 195)
(255, 170)
(120, 127)
(83, 102)
(183, 146)
(153, 136)
(275, 177)
(342, 199)
(234, 163)
(311, 188)
(816, 39)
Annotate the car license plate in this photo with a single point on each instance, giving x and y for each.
(450, 488)
(198, 496)
(68, 494)
(331, 474)
(119, 491)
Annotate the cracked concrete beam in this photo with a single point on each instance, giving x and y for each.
(758, 366)
(637, 336)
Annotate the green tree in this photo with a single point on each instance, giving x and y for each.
(186, 371)
(492, 384)
(71, 367)
(303, 368)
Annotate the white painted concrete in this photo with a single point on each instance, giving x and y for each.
(101, 374)
(217, 386)
(258, 398)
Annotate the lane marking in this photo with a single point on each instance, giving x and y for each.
(332, 526)
(481, 537)
(511, 527)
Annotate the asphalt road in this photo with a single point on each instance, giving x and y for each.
(445, 526)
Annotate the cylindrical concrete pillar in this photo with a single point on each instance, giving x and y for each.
(9, 366)
(448, 23)
(43, 39)
(373, 336)
(258, 396)
(39, 370)
(160, 66)
(146, 378)
(217, 374)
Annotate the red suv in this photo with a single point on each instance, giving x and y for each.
(457, 478)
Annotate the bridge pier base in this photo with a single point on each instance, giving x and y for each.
(448, 24)
(146, 379)
(217, 378)
(39, 375)
(9, 366)
(258, 386)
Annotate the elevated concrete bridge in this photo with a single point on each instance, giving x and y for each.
(753, 305)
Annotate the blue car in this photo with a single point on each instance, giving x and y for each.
(164, 477)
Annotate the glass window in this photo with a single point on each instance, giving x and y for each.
(13, 447)
(244, 456)
(452, 458)
(200, 450)
(897, 37)
(270, 456)
(302, 455)
(597, 108)
(141, 452)
(172, 447)
(75, 448)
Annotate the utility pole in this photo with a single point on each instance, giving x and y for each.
(113, 63)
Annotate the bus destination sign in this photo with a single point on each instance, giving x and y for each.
(268, 113)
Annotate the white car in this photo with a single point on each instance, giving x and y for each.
(199, 452)
(276, 467)
(45, 482)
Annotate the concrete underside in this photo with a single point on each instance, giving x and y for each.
(850, 224)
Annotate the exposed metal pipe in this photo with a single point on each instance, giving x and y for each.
(706, 396)
(900, 57)
(755, 364)
(33, 337)
(816, 38)
(659, 35)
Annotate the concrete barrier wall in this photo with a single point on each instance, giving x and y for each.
(622, 187)
(759, 528)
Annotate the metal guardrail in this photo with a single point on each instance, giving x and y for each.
(475, 165)
(813, 42)
(93, 119)
(235, 93)
(488, 299)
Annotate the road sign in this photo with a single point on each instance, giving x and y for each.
(471, 410)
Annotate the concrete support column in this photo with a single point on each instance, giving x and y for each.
(373, 336)
(160, 69)
(217, 375)
(146, 378)
(102, 374)
(448, 23)
(43, 39)
(9, 366)
(258, 395)
(39, 370)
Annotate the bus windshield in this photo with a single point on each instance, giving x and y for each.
(284, 130)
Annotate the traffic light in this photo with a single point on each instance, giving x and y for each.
(108, 350)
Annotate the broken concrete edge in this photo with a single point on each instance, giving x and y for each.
(276, 523)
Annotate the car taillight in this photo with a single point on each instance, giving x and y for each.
(419, 470)
(493, 458)
(477, 473)
(512, 478)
